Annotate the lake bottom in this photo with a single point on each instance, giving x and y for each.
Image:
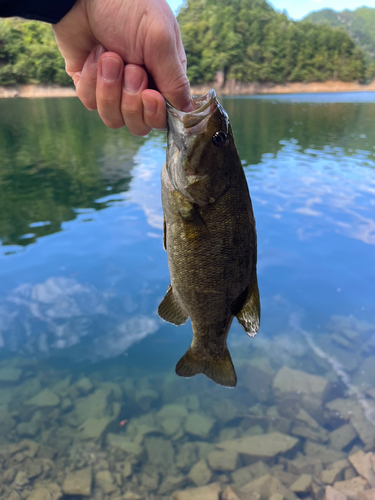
(300, 424)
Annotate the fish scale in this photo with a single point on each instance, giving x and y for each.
(210, 238)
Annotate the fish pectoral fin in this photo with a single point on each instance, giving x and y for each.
(249, 315)
(170, 310)
(220, 370)
(164, 234)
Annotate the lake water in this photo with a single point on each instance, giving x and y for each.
(89, 401)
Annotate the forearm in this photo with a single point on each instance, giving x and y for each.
(48, 11)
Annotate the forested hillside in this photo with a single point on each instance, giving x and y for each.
(29, 54)
(359, 24)
(250, 41)
(246, 39)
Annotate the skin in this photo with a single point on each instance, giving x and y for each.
(115, 51)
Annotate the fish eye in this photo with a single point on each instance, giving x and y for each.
(219, 138)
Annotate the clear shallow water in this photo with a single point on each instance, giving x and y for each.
(83, 270)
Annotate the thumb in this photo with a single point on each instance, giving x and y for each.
(74, 26)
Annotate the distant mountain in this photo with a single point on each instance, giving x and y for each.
(359, 24)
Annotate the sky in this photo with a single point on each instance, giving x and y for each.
(298, 9)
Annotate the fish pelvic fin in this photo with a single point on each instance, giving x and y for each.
(170, 310)
(164, 235)
(249, 315)
(220, 370)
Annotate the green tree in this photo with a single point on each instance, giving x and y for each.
(249, 41)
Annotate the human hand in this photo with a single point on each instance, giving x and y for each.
(142, 33)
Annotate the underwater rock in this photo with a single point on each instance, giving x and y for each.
(244, 475)
(228, 433)
(21, 479)
(204, 449)
(340, 408)
(172, 411)
(191, 402)
(160, 452)
(320, 435)
(78, 482)
(286, 478)
(364, 428)
(224, 410)
(257, 381)
(223, 460)
(230, 494)
(332, 494)
(209, 492)
(145, 397)
(104, 480)
(267, 485)
(288, 380)
(44, 399)
(28, 429)
(66, 404)
(366, 373)
(8, 475)
(82, 387)
(93, 428)
(302, 484)
(33, 468)
(366, 495)
(49, 491)
(332, 473)
(342, 436)
(322, 453)
(266, 445)
(10, 374)
(124, 444)
(14, 496)
(364, 464)
(172, 483)
(131, 495)
(351, 487)
(171, 418)
(6, 422)
(187, 456)
(150, 479)
(200, 474)
(199, 424)
(304, 465)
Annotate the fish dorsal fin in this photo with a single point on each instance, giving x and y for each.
(170, 310)
(220, 370)
(249, 316)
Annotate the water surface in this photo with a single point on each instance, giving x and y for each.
(83, 270)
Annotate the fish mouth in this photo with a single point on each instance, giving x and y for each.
(194, 121)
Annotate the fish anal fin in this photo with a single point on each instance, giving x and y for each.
(170, 310)
(249, 315)
(220, 370)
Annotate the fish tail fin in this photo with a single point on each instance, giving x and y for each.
(220, 370)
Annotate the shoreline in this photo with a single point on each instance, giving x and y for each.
(230, 88)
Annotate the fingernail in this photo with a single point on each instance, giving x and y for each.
(132, 80)
(110, 69)
(98, 52)
(150, 106)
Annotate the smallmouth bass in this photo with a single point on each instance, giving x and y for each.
(210, 238)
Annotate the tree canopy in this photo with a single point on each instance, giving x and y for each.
(250, 41)
(247, 39)
(29, 54)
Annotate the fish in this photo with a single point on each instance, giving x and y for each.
(210, 238)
